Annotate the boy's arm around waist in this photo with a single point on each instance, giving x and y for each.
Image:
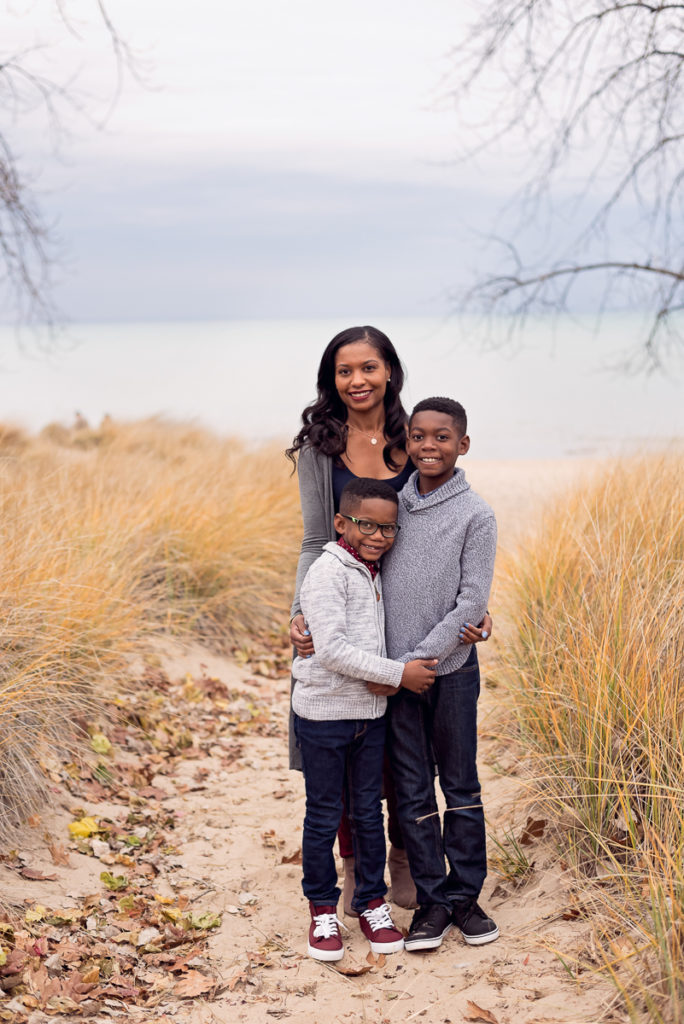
(477, 570)
(325, 597)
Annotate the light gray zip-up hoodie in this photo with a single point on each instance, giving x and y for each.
(438, 572)
(343, 607)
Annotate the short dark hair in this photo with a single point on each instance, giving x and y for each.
(365, 487)
(447, 406)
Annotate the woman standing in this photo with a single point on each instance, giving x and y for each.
(356, 427)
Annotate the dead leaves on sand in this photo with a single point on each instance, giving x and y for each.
(130, 943)
(477, 1013)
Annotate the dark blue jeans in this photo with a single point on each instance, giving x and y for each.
(342, 756)
(440, 728)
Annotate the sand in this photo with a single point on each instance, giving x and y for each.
(241, 825)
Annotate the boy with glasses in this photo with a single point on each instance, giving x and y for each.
(340, 724)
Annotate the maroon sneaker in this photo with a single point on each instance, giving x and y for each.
(325, 942)
(380, 929)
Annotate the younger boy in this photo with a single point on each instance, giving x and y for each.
(437, 579)
(340, 725)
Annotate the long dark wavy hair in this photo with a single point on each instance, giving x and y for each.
(324, 421)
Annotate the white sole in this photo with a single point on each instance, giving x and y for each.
(326, 955)
(480, 940)
(387, 947)
(433, 943)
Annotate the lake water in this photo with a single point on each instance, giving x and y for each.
(550, 397)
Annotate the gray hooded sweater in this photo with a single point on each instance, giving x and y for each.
(343, 607)
(438, 573)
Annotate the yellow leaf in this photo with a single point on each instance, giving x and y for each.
(83, 828)
(3, 957)
(172, 913)
(203, 921)
(36, 913)
(113, 882)
(100, 743)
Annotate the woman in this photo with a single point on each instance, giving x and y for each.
(356, 427)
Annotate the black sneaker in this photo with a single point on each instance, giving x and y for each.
(428, 927)
(474, 925)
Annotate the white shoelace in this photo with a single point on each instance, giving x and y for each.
(379, 917)
(326, 925)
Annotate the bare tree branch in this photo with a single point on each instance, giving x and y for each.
(592, 91)
(27, 245)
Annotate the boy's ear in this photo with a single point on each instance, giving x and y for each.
(339, 522)
(464, 445)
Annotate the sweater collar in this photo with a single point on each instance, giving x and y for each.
(414, 501)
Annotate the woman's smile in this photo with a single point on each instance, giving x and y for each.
(360, 376)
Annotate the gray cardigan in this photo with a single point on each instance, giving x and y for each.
(438, 573)
(343, 607)
(318, 512)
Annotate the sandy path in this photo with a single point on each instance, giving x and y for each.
(242, 820)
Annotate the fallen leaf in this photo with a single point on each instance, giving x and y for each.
(57, 850)
(351, 970)
(236, 979)
(475, 1012)
(271, 839)
(203, 921)
(99, 743)
(376, 960)
(36, 913)
(294, 858)
(534, 829)
(83, 828)
(113, 882)
(36, 876)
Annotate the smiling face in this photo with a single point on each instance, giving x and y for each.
(434, 444)
(377, 510)
(360, 376)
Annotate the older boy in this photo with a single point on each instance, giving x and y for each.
(340, 726)
(436, 579)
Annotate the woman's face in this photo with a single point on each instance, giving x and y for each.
(361, 376)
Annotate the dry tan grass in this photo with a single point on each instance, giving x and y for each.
(109, 534)
(596, 673)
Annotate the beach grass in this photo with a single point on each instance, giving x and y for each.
(108, 536)
(595, 670)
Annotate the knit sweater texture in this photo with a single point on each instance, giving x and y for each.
(438, 572)
(343, 607)
(314, 471)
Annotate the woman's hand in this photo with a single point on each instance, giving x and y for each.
(473, 634)
(300, 637)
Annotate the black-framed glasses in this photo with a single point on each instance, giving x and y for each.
(368, 527)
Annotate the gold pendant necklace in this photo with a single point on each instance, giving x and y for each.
(372, 438)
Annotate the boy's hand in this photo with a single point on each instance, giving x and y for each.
(380, 690)
(470, 634)
(419, 675)
(300, 637)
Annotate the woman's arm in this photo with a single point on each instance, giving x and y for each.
(317, 516)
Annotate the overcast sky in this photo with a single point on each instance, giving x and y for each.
(279, 159)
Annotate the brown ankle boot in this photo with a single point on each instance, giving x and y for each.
(403, 890)
(349, 886)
